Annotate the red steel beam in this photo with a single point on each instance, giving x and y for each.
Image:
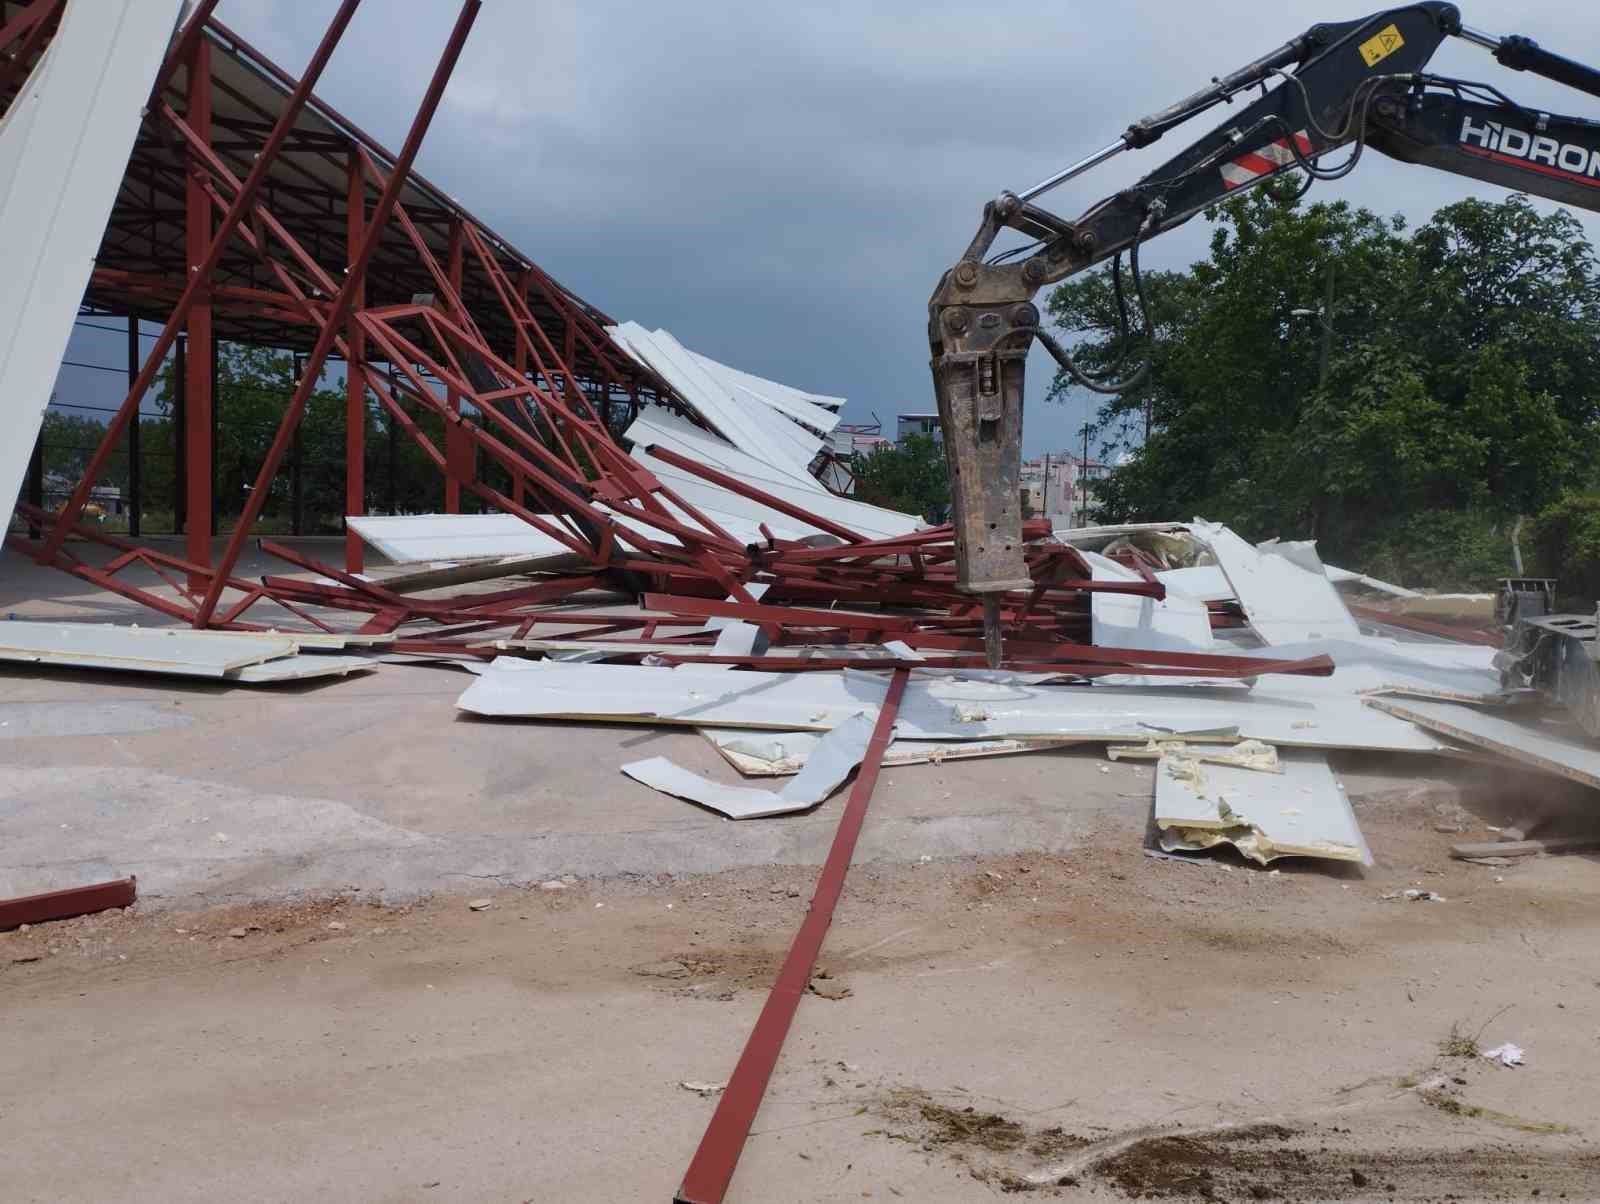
(198, 374)
(30, 16)
(340, 309)
(711, 1169)
(32, 32)
(64, 904)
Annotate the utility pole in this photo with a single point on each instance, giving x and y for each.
(1045, 499)
(1083, 482)
(1327, 332)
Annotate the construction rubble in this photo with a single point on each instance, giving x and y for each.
(1236, 669)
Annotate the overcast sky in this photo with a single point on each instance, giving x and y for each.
(782, 184)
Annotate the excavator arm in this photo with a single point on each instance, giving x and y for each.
(1340, 85)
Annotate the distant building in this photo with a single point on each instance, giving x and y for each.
(1060, 485)
(848, 440)
(917, 424)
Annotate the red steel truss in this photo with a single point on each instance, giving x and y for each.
(253, 212)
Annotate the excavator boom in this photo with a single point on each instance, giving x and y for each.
(1338, 85)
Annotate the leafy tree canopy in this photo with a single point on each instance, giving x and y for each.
(1463, 374)
(908, 476)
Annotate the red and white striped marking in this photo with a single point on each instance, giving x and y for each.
(1274, 156)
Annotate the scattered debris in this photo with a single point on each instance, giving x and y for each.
(1507, 1054)
(1297, 811)
(1503, 852)
(1413, 895)
(480, 904)
(706, 1089)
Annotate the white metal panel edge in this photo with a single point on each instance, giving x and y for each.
(936, 707)
(774, 429)
(872, 522)
(413, 538)
(791, 450)
(656, 425)
(1284, 600)
(829, 764)
(298, 668)
(791, 403)
(1541, 747)
(64, 147)
(1177, 623)
(1297, 812)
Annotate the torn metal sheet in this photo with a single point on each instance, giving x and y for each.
(655, 424)
(1205, 582)
(1177, 623)
(64, 146)
(755, 429)
(816, 411)
(778, 754)
(140, 649)
(1368, 664)
(1097, 537)
(1247, 754)
(1299, 812)
(1558, 748)
(1285, 601)
(656, 427)
(934, 708)
(830, 763)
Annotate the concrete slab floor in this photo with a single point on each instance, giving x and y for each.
(377, 784)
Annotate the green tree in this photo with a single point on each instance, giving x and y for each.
(70, 439)
(253, 389)
(1464, 376)
(910, 475)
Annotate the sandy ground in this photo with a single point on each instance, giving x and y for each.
(1013, 998)
(981, 1021)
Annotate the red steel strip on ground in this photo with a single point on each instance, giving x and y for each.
(706, 1180)
(64, 904)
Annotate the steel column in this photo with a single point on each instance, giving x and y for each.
(355, 389)
(180, 425)
(456, 452)
(135, 437)
(297, 473)
(197, 388)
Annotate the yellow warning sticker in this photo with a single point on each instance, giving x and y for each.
(1381, 45)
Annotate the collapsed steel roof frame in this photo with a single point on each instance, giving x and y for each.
(299, 231)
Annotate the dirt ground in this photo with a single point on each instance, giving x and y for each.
(1092, 1025)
